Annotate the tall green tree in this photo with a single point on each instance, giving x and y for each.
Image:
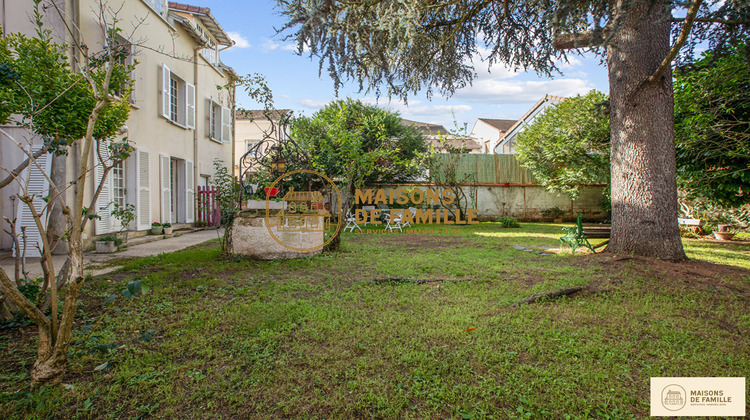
(360, 142)
(408, 46)
(712, 128)
(63, 105)
(568, 145)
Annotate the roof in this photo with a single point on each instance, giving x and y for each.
(531, 110)
(203, 14)
(502, 125)
(465, 143)
(426, 128)
(261, 114)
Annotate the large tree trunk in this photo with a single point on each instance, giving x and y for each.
(644, 189)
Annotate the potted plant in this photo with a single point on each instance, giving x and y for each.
(724, 232)
(167, 228)
(107, 244)
(271, 191)
(156, 228)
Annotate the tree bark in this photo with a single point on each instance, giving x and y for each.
(644, 188)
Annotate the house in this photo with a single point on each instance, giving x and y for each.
(488, 131)
(506, 144)
(438, 137)
(179, 124)
(253, 127)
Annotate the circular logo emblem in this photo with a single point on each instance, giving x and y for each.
(673, 397)
(305, 216)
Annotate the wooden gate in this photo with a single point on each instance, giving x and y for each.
(208, 206)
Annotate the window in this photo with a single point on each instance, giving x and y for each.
(249, 144)
(220, 125)
(160, 6)
(211, 52)
(123, 51)
(178, 99)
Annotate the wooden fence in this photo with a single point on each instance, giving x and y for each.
(208, 206)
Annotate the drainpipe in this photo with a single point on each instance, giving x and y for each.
(196, 175)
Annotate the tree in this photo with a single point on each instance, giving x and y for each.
(423, 44)
(41, 79)
(357, 144)
(712, 128)
(568, 145)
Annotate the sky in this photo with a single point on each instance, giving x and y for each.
(496, 93)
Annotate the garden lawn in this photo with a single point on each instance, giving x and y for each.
(321, 337)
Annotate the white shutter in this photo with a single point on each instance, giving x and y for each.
(38, 186)
(103, 204)
(226, 125)
(190, 96)
(143, 196)
(210, 108)
(166, 92)
(166, 191)
(190, 192)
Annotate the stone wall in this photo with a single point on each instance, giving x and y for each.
(527, 202)
(249, 237)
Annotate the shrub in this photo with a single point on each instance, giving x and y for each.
(509, 222)
(114, 239)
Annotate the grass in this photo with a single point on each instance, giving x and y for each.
(317, 338)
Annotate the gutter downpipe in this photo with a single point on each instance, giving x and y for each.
(196, 175)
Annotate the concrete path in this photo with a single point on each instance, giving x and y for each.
(95, 263)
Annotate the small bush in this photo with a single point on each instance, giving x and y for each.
(509, 222)
(114, 239)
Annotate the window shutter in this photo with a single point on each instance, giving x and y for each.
(190, 96)
(210, 108)
(166, 92)
(190, 192)
(103, 224)
(226, 125)
(38, 186)
(166, 192)
(143, 197)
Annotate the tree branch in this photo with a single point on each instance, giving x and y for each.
(16, 172)
(686, 27)
(713, 20)
(581, 40)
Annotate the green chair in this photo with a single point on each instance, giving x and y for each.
(574, 236)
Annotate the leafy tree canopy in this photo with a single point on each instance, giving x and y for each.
(38, 85)
(712, 128)
(568, 145)
(424, 44)
(360, 142)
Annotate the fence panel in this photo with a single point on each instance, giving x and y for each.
(208, 206)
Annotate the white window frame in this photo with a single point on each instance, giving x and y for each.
(178, 99)
(219, 122)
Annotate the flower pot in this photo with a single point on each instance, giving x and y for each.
(157, 230)
(168, 230)
(271, 192)
(105, 247)
(723, 227)
(724, 236)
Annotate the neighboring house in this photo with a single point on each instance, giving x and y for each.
(179, 124)
(254, 126)
(488, 131)
(438, 137)
(506, 144)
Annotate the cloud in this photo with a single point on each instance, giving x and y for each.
(239, 40)
(269, 45)
(572, 62)
(313, 103)
(494, 91)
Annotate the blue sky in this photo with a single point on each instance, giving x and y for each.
(296, 85)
